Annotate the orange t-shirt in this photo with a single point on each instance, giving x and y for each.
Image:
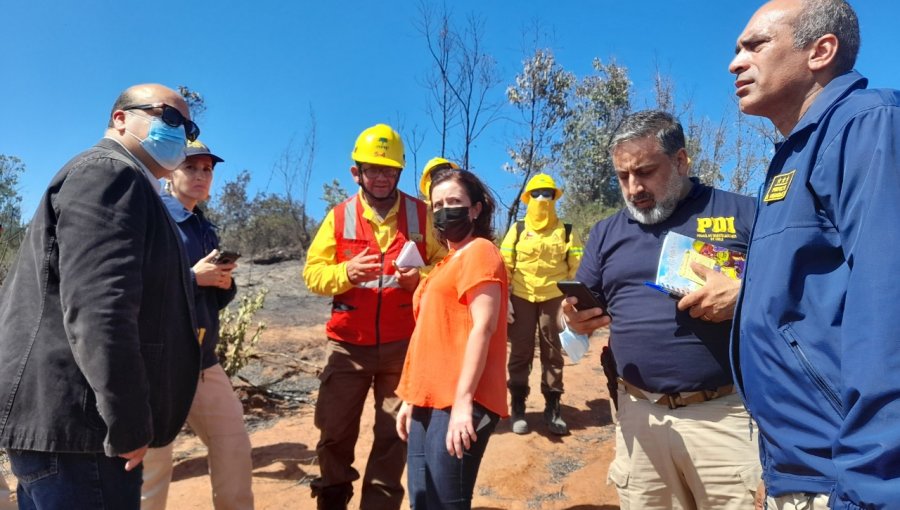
(437, 348)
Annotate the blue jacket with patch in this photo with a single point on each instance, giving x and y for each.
(815, 349)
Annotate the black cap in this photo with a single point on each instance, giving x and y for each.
(198, 148)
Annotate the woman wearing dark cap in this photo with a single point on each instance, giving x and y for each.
(216, 414)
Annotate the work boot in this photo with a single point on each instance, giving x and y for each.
(517, 416)
(551, 414)
(334, 497)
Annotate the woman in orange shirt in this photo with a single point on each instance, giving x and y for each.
(454, 379)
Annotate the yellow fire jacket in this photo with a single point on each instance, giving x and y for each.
(542, 258)
(324, 275)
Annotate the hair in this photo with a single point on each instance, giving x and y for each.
(657, 123)
(126, 98)
(820, 17)
(477, 192)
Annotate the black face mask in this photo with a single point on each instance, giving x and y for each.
(453, 223)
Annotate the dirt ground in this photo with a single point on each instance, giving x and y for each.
(534, 471)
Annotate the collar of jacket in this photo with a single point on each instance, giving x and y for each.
(833, 92)
(115, 145)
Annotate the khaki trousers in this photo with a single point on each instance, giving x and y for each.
(702, 456)
(542, 315)
(350, 371)
(5, 503)
(217, 417)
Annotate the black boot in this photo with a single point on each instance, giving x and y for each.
(334, 497)
(517, 416)
(551, 414)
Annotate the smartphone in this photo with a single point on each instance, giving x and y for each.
(586, 298)
(226, 257)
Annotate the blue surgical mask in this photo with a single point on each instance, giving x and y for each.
(164, 143)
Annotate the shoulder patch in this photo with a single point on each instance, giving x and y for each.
(779, 187)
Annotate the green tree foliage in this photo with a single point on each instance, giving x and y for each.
(237, 335)
(256, 226)
(706, 144)
(540, 94)
(752, 149)
(333, 194)
(11, 229)
(196, 103)
(600, 103)
(230, 211)
(719, 150)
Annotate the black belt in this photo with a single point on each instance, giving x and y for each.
(676, 400)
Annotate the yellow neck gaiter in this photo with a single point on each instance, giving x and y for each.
(540, 214)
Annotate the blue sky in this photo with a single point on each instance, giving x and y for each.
(262, 65)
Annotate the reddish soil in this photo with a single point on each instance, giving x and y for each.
(534, 471)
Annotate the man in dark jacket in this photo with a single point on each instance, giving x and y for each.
(99, 356)
(815, 338)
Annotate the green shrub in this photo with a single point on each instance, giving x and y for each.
(235, 347)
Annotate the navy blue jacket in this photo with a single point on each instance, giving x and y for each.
(98, 346)
(656, 347)
(199, 237)
(817, 349)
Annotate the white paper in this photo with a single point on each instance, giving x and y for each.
(410, 256)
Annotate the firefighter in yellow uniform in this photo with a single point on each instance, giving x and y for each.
(539, 251)
(353, 259)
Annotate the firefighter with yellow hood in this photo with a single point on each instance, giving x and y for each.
(354, 259)
(539, 251)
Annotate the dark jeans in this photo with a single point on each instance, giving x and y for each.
(74, 481)
(436, 479)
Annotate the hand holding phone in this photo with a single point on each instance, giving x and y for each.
(226, 257)
(586, 298)
(576, 318)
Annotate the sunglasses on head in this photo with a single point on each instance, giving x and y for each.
(546, 193)
(172, 117)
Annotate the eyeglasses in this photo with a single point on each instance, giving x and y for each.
(383, 171)
(172, 117)
(544, 192)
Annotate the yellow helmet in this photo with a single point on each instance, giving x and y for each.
(433, 163)
(540, 181)
(379, 145)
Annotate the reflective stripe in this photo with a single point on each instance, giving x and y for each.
(412, 218)
(350, 218)
(387, 281)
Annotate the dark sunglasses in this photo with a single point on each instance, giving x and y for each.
(546, 193)
(172, 117)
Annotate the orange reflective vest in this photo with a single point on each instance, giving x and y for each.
(378, 311)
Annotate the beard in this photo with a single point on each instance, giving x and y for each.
(662, 208)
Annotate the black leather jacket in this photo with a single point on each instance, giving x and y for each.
(98, 346)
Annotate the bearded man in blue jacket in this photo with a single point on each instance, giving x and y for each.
(815, 344)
